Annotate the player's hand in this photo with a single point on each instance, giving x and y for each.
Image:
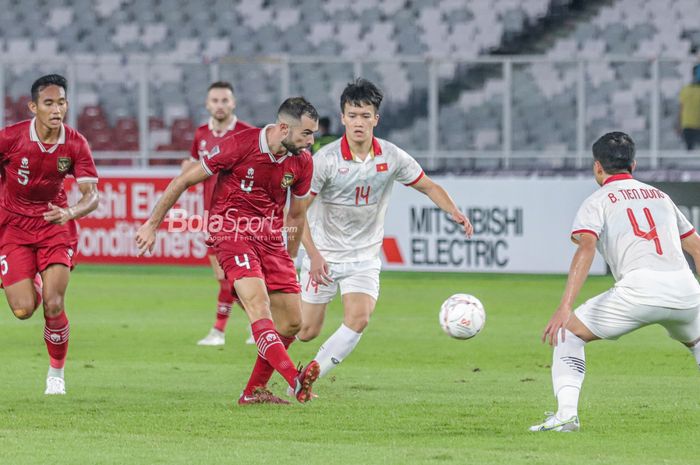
(460, 218)
(556, 326)
(58, 215)
(145, 238)
(319, 270)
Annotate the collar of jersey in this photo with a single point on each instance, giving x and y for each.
(230, 127)
(347, 153)
(34, 137)
(618, 177)
(264, 148)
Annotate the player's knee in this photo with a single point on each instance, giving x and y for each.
(308, 333)
(53, 305)
(22, 313)
(358, 323)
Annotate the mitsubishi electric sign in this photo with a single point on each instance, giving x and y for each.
(520, 226)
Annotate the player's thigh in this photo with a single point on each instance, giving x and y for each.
(286, 312)
(608, 316)
(312, 292)
(683, 325)
(17, 263)
(278, 268)
(239, 259)
(312, 317)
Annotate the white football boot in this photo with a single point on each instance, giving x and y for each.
(55, 386)
(214, 338)
(552, 423)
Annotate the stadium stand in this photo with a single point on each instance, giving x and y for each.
(113, 38)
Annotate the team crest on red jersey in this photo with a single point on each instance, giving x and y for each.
(63, 164)
(287, 180)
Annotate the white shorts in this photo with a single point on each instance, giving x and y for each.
(608, 316)
(362, 277)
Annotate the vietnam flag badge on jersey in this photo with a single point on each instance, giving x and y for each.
(382, 167)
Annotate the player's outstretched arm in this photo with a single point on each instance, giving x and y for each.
(146, 235)
(578, 272)
(442, 199)
(89, 201)
(318, 267)
(691, 246)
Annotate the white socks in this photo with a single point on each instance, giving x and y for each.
(55, 372)
(696, 352)
(336, 348)
(568, 370)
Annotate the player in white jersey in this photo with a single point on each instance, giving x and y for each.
(641, 234)
(352, 183)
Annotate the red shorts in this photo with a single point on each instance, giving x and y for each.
(28, 245)
(249, 258)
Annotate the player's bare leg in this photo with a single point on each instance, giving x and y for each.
(224, 303)
(23, 298)
(358, 308)
(56, 330)
(252, 293)
(568, 372)
(312, 317)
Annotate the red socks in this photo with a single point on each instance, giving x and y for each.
(272, 355)
(56, 332)
(225, 301)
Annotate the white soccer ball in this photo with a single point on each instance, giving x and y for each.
(462, 316)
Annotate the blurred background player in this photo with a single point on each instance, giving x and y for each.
(325, 136)
(689, 112)
(352, 183)
(642, 235)
(221, 105)
(258, 169)
(38, 231)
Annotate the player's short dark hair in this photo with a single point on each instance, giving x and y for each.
(615, 152)
(361, 92)
(48, 80)
(296, 107)
(221, 85)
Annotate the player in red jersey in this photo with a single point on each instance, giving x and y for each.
(257, 170)
(38, 234)
(221, 103)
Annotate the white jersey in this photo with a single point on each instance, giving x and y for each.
(639, 231)
(352, 195)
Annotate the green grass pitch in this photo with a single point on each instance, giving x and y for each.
(141, 392)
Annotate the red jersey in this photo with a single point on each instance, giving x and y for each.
(32, 173)
(205, 138)
(252, 186)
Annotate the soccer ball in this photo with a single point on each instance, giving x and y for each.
(462, 316)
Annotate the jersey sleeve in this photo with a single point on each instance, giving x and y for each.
(589, 220)
(302, 187)
(685, 227)
(320, 173)
(84, 169)
(409, 171)
(194, 150)
(5, 143)
(222, 156)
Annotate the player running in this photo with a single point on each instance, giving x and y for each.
(352, 183)
(221, 104)
(38, 234)
(641, 234)
(257, 169)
